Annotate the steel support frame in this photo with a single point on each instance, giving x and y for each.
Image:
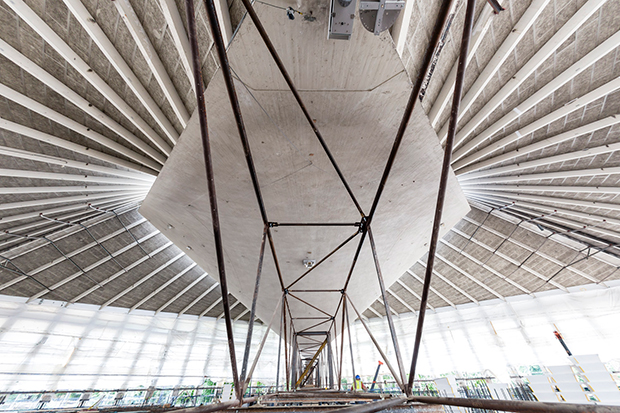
(290, 337)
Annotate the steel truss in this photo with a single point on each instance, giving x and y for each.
(295, 373)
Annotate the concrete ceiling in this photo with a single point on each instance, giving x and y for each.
(87, 119)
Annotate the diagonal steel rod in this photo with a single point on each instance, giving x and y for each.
(314, 224)
(322, 260)
(20, 272)
(261, 345)
(289, 82)
(112, 211)
(379, 349)
(443, 184)
(444, 12)
(341, 347)
(272, 248)
(355, 258)
(388, 313)
(345, 308)
(91, 236)
(316, 325)
(279, 356)
(248, 340)
(310, 305)
(286, 365)
(310, 363)
(215, 220)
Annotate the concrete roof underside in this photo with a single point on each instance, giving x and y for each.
(87, 121)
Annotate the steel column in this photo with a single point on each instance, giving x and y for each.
(443, 183)
(260, 347)
(388, 312)
(261, 30)
(346, 317)
(204, 133)
(413, 98)
(376, 343)
(248, 340)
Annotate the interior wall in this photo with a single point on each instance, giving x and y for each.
(44, 345)
(498, 335)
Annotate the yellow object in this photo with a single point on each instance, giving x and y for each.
(358, 385)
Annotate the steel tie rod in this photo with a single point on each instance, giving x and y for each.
(443, 184)
(413, 99)
(289, 82)
(215, 220)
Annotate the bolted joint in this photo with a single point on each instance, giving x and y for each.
(363, 224)
(273, 224)
(285, 291)
(342, 292)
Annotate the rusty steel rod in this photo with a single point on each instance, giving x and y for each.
(279, 356)
(388, 313)
(496, 6)
(314, 224)
(310, 305)
(289, 82)
(443, 184)
(346, 310)
(355, 258)
(216, 407)
(373, 406)
(322, 260)
(286, 365)
(215, 220)
(516, 405)
(261, 346)
(341, 346)
(248, 339)
(444, 12)
(379, 349)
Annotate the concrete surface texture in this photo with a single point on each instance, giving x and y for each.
(86, 118)
(358, 102)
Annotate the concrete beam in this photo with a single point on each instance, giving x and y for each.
(179, 36)
(121, 272)
(546, 199)
(400, 300)
(414, 275)
(76, 127)
(62, 48)
(541, 254)
(81, 14)
(66, 92)
(211, 307)
(93, 200)
(143, 279)
(180, 293)
(138, 178)
(410, 291)
(480, 29)
(200, 297)
(67, 199)
(575, 173)
(518, 167)
(512, 261)
(559, 113)
(450, 283)
(570, 27)
(152, 59)
(545, 143)
(162, 287)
